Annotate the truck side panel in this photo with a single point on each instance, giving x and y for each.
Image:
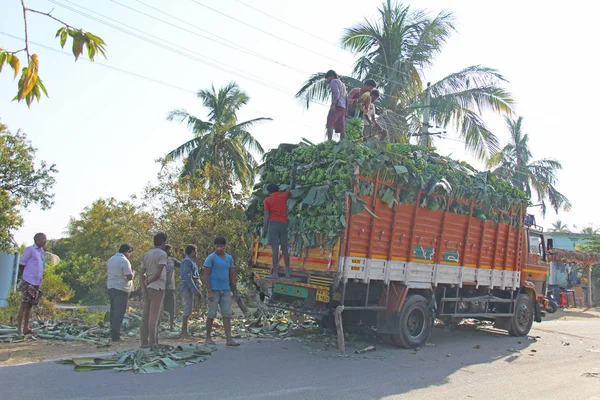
(430, 247)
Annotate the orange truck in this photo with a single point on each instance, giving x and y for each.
(407, 265)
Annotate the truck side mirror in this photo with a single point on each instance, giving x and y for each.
(550, 244)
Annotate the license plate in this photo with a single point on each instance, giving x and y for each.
(355, 268)
(355, 261)
(322, 296)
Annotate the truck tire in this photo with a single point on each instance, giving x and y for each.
(415, 323)
(521, 321)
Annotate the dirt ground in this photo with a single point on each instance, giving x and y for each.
(39, 350)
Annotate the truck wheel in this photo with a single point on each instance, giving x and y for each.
(521, 321)
(415, 323)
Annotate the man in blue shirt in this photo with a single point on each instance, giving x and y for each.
(190, 284)
(219, 278)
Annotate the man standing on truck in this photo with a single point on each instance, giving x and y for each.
(276, 224)
(219, 278)
(336, 119)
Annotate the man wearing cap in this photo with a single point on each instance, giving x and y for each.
(119, 284)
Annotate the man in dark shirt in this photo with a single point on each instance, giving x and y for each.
(276, 224)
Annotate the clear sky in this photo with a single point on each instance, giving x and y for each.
(104, 128)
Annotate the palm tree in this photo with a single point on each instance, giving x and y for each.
(395, 50)
(558, 226)
(589, 230)
(514, 163)
(220, 141)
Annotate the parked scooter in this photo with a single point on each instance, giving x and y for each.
(551, 303)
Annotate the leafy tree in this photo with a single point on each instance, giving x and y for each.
(194, 211)
(94, 237)
(558, 226)
(21, 182)
(30, 85)
(514, 163)
(221, 141)
(590, 230)
(396, 49)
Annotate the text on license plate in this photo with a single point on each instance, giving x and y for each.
(322, 296)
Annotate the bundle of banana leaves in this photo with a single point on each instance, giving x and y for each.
(325, 179)
(145, 361)
(72, 329)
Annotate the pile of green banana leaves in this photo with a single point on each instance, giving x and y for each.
(145, 361)
(325, 177)
(72, 329)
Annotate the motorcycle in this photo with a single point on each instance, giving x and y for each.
(550, 303)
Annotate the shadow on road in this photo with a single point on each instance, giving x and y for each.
(279, 368)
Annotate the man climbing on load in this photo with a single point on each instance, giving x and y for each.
(372, 129)
(276, 224)
(359, 99)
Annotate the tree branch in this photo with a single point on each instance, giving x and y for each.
(48, 14)
(25, 23)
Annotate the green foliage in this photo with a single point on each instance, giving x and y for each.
(54, 288)
(325, 175)
(92, 43)
(514, 163)
(30, 86)
(396, 49)
(196, 209)
(221, 141)
(21, 182)
(86, 277)
(94, 237)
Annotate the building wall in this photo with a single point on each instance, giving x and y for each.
(566, 241)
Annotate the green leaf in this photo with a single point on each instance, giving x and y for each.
(77, 46)
(63, 38)
(389, 197)
(400, 169)
(310, 197)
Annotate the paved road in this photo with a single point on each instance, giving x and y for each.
(501, 367)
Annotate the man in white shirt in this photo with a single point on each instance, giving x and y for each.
(119, 284)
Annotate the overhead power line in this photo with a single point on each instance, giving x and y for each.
(172, 47)
(144, 77)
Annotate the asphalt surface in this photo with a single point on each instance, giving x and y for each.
(467, 363)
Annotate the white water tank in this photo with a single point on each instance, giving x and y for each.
(9, 266)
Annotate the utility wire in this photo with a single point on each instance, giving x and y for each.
(265, 32)
(230, 43)
(153, 80)
(224, 41)
(313, 35)
(202, 58)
